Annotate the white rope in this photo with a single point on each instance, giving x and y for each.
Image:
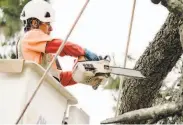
(126, 55)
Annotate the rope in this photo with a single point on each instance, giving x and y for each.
(58, 52)
(126, 55)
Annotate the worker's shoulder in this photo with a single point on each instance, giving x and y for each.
(36, 35)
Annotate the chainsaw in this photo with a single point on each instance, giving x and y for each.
(94, 73)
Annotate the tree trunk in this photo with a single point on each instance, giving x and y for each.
(155, 63)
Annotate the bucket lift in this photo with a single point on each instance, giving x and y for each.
(18, 80)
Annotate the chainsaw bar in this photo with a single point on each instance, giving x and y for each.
(126, 72)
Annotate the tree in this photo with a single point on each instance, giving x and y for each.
(10, 21)
(10, 25)
(155, 63)
(168, 106)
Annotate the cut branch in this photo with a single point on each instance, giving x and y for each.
(156, 112)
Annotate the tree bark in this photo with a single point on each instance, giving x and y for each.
(156, 62)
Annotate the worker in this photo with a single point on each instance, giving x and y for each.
(38, 46)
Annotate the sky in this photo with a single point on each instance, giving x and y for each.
(103, 28)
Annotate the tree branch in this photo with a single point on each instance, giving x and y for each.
(156, 112)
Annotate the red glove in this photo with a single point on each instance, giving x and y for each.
(66, 78)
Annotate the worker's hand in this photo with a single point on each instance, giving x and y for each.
(91, 56)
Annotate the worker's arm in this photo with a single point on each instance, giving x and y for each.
(70, 49)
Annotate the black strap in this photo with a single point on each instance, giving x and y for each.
(56, 78)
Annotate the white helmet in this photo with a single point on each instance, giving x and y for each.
(39, 9)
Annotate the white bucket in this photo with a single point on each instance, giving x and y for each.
(18, 81)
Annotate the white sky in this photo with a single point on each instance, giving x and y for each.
(103, 28)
